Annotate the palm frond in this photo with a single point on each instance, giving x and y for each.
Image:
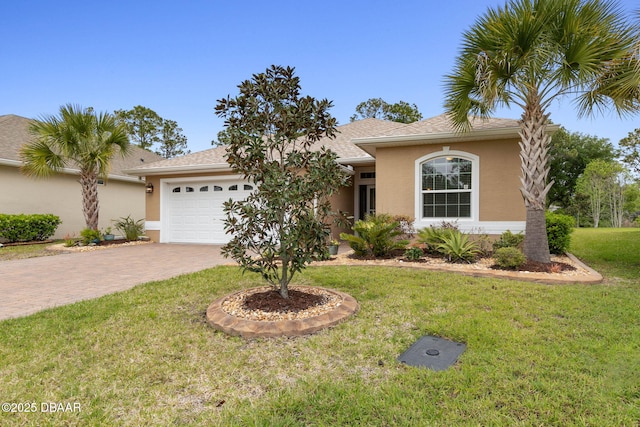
(40, 160)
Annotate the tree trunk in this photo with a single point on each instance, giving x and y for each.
(536, 244)
(90, 207)
(284, 281)
(533, 164)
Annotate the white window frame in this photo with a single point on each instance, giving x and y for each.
(466, 223)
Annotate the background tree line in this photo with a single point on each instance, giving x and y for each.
(594, 181)
(151, 132)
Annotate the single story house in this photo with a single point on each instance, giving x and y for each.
(119, 195)
(424, 170)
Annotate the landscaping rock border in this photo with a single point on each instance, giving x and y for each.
(246, 328)
(583, 273)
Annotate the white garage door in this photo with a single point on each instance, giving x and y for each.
(195, 213)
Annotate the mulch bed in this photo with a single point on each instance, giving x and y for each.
(530, 266)
(271, 301)
(539, 267)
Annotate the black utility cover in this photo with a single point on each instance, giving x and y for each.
(432, 352)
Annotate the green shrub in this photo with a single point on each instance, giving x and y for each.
(413, 254)
(89, 235)
(508, 240)
(375, 236)
(457, 247)
(26, 228)
(559, 229)
(130, 228)
(433, 236)
(508, 257)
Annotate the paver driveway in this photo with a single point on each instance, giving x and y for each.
(31, 285)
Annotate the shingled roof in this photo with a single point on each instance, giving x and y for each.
(14, 133)
(354, 143)
(439, 129)
(213, 159)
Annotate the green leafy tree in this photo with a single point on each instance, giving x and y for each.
(569, 154)
(271, 131)
(630, 150)
(529, 53)
(142, 124)
(377, 108)
(221, 140)
(148, 130)
(174, 143)
(632, 200)
(600, 182)
(76, 138)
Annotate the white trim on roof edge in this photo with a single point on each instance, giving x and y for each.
(68, 171)
(173, 170)
(356, 160)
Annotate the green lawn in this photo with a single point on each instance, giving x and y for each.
(8, 253)
(614, 252)
(536, 355)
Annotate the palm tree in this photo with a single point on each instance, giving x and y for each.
(529, 53)
(77, 138)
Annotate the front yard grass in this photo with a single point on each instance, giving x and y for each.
(536, 355)
(614, 252)
(8, 253)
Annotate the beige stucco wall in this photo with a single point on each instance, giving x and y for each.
(499, 162)
(60, 195)
(342, 201)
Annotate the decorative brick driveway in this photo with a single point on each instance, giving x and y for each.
(31, 285)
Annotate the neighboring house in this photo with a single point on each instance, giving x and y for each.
(120, 195)
(424, 170)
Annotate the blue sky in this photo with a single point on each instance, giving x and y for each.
(179, 57)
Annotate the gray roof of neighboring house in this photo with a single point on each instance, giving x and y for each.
(14, 133)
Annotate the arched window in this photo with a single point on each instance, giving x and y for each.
(447, 186)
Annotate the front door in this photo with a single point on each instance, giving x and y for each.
(367, 200)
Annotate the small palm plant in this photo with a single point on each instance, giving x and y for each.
(449, 242)
(457, 247)
(130, 228)
(375, 236)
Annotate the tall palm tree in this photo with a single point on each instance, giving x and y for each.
(529, 53)
(77, 138)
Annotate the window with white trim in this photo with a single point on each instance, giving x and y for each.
(446, 187)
